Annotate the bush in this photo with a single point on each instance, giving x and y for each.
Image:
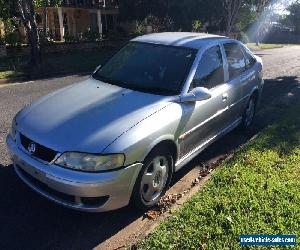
(11, 35)
(243, 37)
(196, 25)
(90, 36)
(12, 38)
(157, 24)
(114, 35)
(2, 40)
(72, 39)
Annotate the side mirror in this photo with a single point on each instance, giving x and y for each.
(97, 68)
(197, 94)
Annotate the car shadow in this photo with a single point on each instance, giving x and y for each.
(29, 221)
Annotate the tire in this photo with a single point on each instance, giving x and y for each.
(249, 114)
(153, 180)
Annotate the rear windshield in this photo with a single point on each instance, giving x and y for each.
(150, 68)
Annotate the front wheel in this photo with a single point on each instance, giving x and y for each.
(153, 179)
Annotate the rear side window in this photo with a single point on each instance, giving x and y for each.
(236, 59)
(250, 60)
(210, 72)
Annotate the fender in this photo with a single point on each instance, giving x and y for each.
(160, 140)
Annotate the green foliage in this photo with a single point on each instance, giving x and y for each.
(158, 25)
(88, 36)
(43, 3)
(246, 18)
(196, 26)
(184, 13)
(243, 37)
(11, 35)
(294, 16)
(4, 10)
(114, 35)
(12, 38)
(2, 40)
(72, 39)
(257, 192)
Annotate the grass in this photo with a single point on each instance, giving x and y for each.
(69, 62)
(264, 46)
(257, 192)
(9, 74)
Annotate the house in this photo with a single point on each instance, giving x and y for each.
(77, 17)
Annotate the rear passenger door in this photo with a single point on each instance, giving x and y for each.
(236, 65)
(251, 77)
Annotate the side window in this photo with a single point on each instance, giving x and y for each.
(250, 60)
(235, 58)
(210, 72)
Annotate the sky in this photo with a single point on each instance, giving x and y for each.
(282, 6)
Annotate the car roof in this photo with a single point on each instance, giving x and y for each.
(180, 39)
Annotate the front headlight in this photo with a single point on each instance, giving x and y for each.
(13, 129)
(90, 162)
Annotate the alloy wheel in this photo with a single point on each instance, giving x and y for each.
(249, 114)
(154, 179)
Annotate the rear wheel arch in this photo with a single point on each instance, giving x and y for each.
(255, 95)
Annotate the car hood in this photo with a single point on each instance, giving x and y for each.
(86, 117)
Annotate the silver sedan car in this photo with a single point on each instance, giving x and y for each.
(119, 136)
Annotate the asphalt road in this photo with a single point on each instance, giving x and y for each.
(28, 221)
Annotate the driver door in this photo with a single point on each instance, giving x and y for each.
(204, 119)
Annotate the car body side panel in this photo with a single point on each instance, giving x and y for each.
(252, 80)
(167, 124)
(205, 119)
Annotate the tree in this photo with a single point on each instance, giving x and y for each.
(261, 5)
(25, 11)
(232, 8)
(294, 16)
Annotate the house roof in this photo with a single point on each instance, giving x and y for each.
(181, 39)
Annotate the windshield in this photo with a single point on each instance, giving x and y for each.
(150, 68)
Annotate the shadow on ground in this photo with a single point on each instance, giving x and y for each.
(29, 221)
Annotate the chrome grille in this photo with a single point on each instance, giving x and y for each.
(40, 152)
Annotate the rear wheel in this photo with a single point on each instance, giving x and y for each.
(153, 179)
(249, 114)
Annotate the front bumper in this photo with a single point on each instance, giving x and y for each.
(91, 192)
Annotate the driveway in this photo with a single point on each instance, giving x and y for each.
(31, 222)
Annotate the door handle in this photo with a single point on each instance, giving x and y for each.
(224, 97)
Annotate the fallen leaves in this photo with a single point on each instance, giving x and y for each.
(167, 201)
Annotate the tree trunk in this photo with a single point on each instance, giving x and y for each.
(29, 22)
(232, 8)
(46, 3)
(33, 40)
(228, 28)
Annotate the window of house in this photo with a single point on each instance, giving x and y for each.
(210, 72)
(235, 58)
